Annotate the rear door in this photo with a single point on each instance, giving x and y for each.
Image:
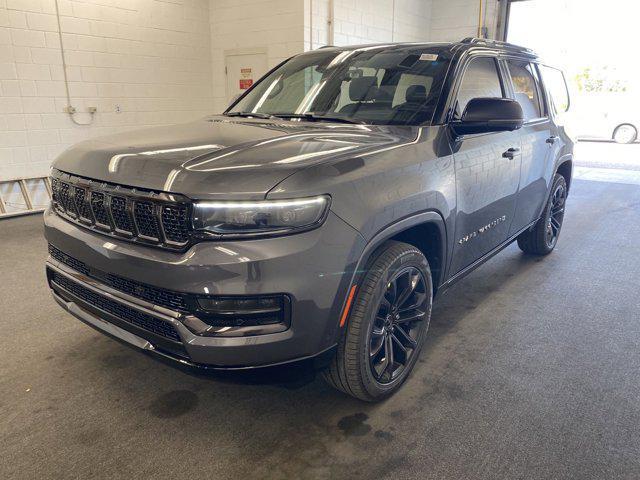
(537, 139)
(487, 172)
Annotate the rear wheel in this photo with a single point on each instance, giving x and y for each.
(542, 238)
(625, 133)
(387, 325)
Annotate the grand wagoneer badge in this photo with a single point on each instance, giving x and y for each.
(482, 229)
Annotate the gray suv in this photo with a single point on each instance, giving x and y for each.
(319, 215)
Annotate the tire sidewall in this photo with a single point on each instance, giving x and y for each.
(411, 258)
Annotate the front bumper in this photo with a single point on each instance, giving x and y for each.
(314, 268)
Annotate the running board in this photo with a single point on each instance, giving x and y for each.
(468, 269)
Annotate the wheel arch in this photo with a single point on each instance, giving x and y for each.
(425, 231)
(565, 168)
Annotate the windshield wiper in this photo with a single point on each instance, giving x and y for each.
(249, 114)
(313, 117)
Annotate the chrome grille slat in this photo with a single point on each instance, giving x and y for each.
(147, 217)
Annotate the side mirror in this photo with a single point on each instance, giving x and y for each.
(484, 115)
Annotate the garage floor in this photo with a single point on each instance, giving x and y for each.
(532, 370)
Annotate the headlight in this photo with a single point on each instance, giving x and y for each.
(261, 217)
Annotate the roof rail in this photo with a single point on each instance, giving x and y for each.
(497, 43)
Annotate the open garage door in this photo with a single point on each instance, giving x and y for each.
(593, 42)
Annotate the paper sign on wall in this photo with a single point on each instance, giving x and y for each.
(246, 78)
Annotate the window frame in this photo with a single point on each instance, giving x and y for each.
(537, 80)
(553, 108)
(451, 115)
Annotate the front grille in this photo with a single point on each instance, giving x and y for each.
(81, 205)
(157, 296)
(147, 220)
(120, 214)
(142, 216)
(130, 315)
(64, 195)
(99, 208)
(176, 220)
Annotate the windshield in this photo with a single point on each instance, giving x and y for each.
(373, 85)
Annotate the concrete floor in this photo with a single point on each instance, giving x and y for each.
(531, 370)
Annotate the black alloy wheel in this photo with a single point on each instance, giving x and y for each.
(394, 332)
(556, 214)
(541, 239)
(387, 324)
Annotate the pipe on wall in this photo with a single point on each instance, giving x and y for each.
(69, 109)
(330, 23)
(480, 20)
(393, 20)
(310, 24)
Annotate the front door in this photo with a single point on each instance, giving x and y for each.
(487, 173)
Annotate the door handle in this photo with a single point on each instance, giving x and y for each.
(552, 139)
(512, 152)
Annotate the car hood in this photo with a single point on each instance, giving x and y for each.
(221, 156)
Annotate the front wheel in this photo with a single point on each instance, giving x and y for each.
(387, 325)
(625, 133)
(542, 238)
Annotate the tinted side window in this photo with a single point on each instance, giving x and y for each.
(525, 89)
(481, 79)
(556, 88)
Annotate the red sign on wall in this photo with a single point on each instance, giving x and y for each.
(245, 83)
(246, 78)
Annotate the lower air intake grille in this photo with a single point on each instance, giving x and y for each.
(155, 295)
(77, 265)
(130, 315)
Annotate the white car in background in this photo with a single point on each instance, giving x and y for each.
(604, 116)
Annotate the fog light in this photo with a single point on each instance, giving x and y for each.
(241, 306)
(254, 315)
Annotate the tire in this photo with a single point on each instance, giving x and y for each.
(373, 325)
(542, 238)
(625, 133)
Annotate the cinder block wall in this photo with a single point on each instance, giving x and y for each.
(453, 20)
(240, 25)
(150, 58)
(367, 21)
(148, 62)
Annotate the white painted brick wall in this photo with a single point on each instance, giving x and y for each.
(276, 25)
(163, 61)
(368, 21)
(150, 57)
(453, 20)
